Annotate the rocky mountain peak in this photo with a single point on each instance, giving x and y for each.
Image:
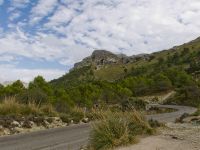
(101, 58)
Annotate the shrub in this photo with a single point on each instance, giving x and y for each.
(33, 96)
(133, 103)
(118, 129)
(65, 118)
(77, 115)
(10, 106)
(155, 123)
(95, 114)
(48, 110)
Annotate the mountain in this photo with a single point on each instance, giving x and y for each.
(103, 58)
(105, 65)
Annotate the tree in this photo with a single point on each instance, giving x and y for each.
(161, 83)
(63, 101)
(15, 88)
(39, 84)
(35, 95)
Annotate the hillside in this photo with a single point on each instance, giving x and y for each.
(104, 65)
(114, 77)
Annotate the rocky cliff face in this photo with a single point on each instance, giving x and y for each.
(101, 58)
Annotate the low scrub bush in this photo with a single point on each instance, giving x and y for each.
(95, 114)
(118, 129)
(155, 123)
(77, 114)
(48, 110)
(65, 118)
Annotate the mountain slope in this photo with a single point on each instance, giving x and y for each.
(104, 65)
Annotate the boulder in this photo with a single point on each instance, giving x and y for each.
(15, 124)
(85, 120)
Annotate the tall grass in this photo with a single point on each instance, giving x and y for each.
(117, 129)
(10, 106)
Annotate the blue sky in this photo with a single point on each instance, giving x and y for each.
(46, 37)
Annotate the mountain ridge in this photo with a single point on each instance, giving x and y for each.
(105, 65)
(100, 58)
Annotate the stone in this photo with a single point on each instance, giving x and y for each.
(27, 124)
(85, 120)
(101, 58)
(6, 131)
(46, 124)
(15, 124)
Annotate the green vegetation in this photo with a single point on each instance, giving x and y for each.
(117, 85)
(10, 107)
(116, 129)
(197, 113)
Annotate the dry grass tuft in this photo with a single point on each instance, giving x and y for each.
(116, 129)
(9, 106)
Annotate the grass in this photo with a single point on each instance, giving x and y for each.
(115, 129)
(9, 106)
(197, 113)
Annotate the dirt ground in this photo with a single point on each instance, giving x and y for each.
(173, 137)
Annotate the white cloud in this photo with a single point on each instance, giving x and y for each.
(42, 46)
(72, 29)
(10, 73)
(7, 58)
(17, 4)
(62, 16)
(134, 26)
(14, 15)
(1, 2)
(42, 9)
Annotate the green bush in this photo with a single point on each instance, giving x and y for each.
(65, 118)
(77, 115)
(118, 129)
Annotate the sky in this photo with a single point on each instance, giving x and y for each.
(46, 37)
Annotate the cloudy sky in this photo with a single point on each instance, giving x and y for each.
(47, 37)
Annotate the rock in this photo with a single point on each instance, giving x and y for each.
(101, 58)
(6, 131)
(85, 120)
(27, 124)
(46, 124)
(176, 137)
(18, 130)
(15, 124)
(56, 119)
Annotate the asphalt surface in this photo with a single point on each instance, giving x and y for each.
(172, 116)
(72, 137)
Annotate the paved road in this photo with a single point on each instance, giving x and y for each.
(71, 138)
(171, 117)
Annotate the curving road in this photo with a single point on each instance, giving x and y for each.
(72, 137)
(172, 116)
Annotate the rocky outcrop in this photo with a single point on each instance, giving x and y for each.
(101, 58)
(14, 125)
